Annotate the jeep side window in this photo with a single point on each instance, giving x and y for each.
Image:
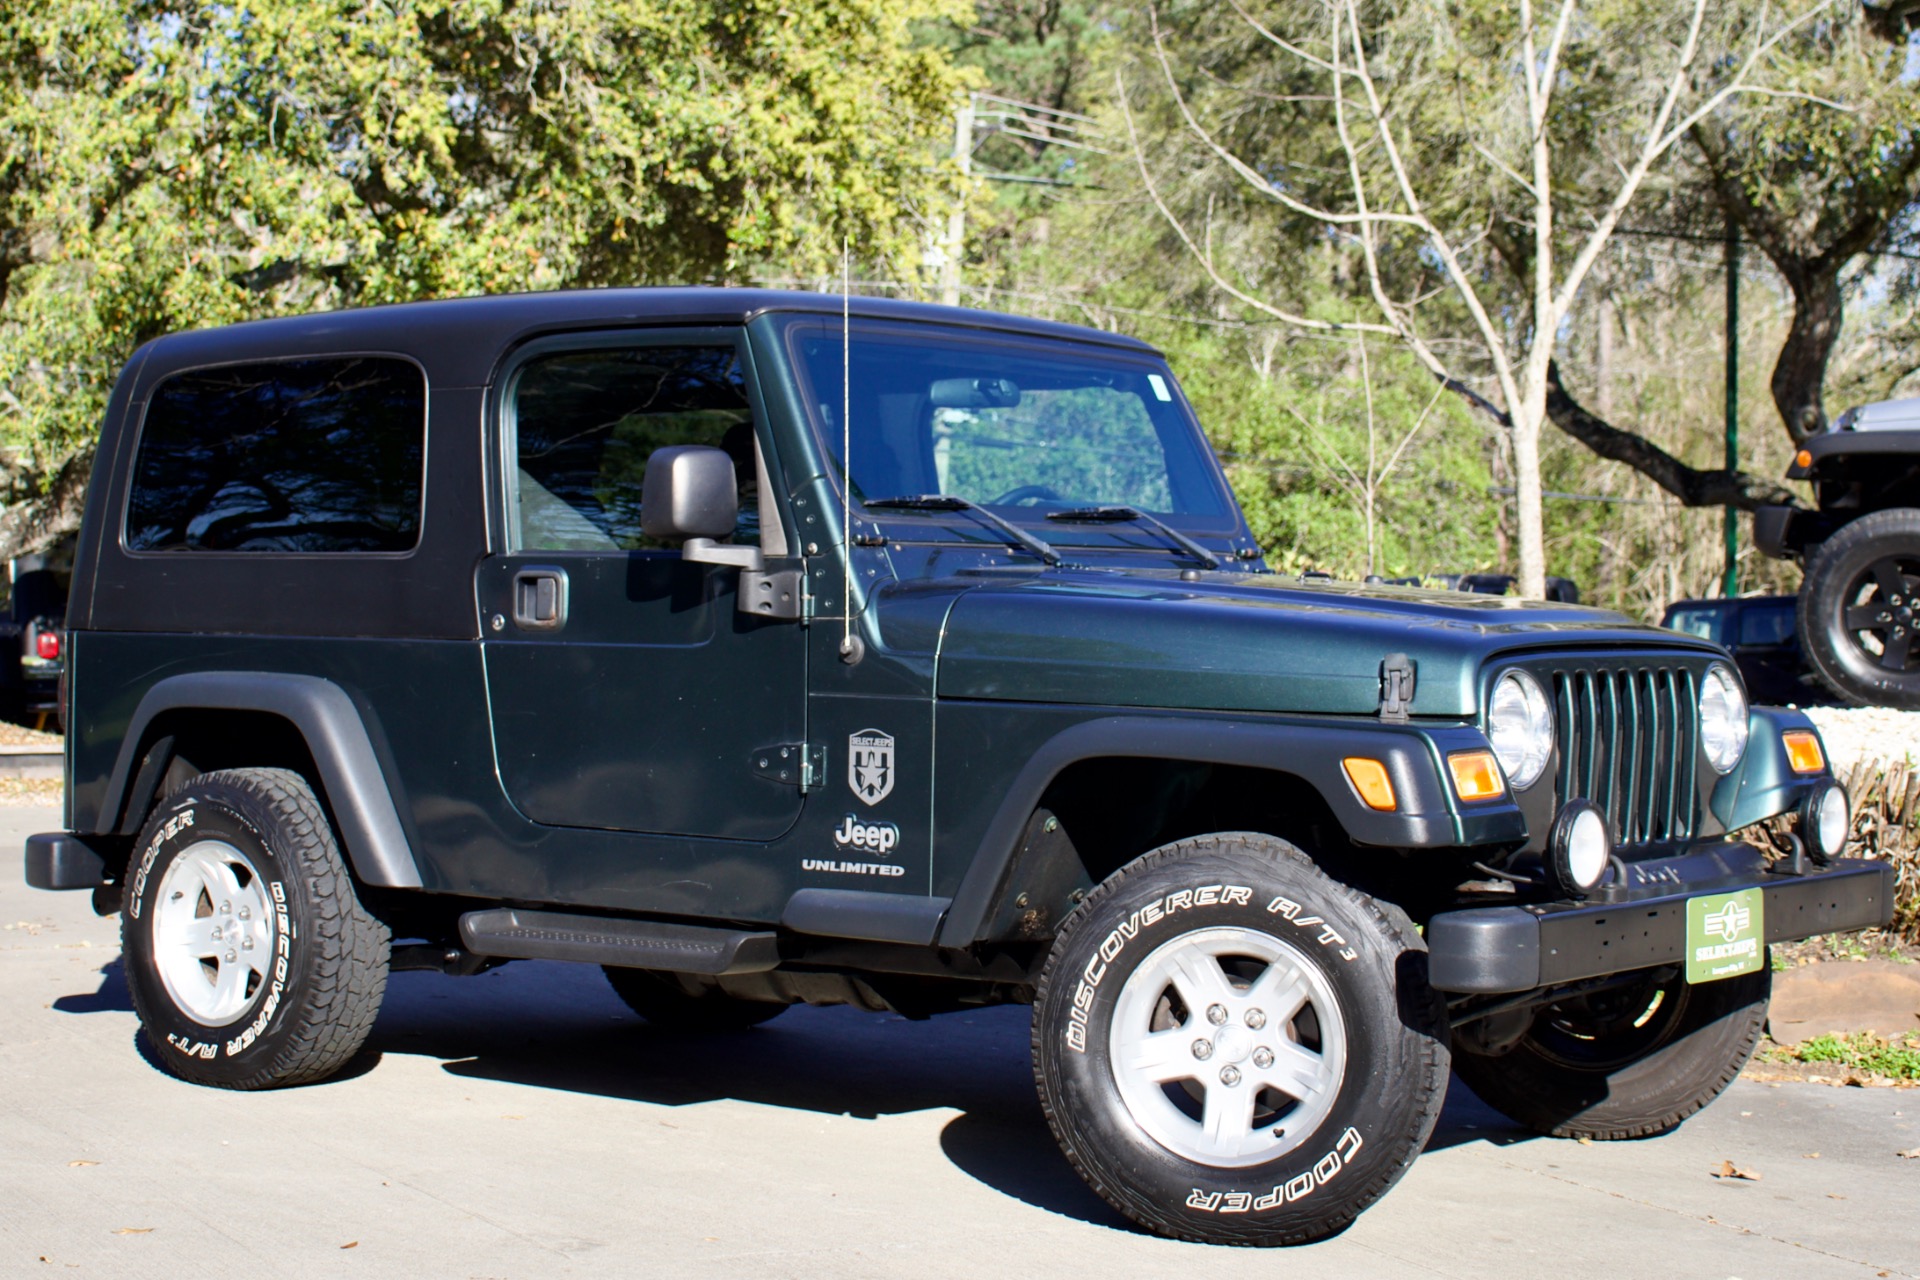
(288, 456)
(585, 422)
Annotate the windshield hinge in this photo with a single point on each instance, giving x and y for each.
(780, 593)
(1396, 688)
(793, 764)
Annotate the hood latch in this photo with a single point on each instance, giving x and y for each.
(1396, 688)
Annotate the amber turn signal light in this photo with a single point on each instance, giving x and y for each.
(1476, 775)
(1369, 778)
(1803, 459)
(1803, 750)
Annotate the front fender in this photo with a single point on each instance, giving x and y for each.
(1306, 747)
(1763, 784)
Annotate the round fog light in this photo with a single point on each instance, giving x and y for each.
(1825, 819)
(1578, 848)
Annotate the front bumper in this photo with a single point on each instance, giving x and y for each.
(1500, 950)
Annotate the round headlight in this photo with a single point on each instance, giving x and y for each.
(1723, 718)
(1578, 848)
(1520, 728)
(1825, 819)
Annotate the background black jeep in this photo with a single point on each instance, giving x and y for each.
(1860, 548)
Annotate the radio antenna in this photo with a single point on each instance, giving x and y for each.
(850, 649)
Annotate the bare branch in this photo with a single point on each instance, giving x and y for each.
(1204, 257)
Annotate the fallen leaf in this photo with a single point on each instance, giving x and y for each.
(132, 1231)
(1584, 1141)
(1911, 1154)
(351, 1244)
(81, 1164)
(1728, 1169)
(1811, 1155)
(513, 1117)
(1835, 1195)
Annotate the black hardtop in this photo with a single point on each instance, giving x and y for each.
(459, 341)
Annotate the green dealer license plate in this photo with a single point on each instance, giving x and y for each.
(1726, 935)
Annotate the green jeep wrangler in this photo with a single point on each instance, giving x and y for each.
(766, 648)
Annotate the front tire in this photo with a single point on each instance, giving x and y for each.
(1857, 610)
(250, 960)
(1232, 1047)
(1628, 1063)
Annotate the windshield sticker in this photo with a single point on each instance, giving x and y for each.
(1159, 385)
(870, 765)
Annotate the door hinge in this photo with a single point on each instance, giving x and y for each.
(781, 593)
(794, 764)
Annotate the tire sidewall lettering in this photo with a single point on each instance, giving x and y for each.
(199, 820)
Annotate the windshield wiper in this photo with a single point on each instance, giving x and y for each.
(1130, 515)
(946, 502)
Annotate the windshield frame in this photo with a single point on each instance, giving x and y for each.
(1226, 531)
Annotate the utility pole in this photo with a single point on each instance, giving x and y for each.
(1730, 576)
(957, 220)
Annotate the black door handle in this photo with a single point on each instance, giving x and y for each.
(540, 598)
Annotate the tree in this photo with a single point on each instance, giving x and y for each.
(171, 165)
(1475, 161)
(1817, 188)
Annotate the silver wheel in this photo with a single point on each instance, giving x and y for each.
(1227, 1046)
(213, 932)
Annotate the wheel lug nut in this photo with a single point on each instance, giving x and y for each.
(230, 957)
(1203, 1049)
(245, 914)
(226, 908)
(1229, 1076)
(246, 944)
(1217, 1014)
(1256, 1019)
(1263, 1057)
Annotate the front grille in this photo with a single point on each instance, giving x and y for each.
(1629, 742)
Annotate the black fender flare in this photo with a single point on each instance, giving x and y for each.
(1310, 749)
(355, 784)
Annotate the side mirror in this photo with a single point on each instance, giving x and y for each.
(690, 492)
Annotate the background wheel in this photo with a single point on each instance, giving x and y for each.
(1628, 1063)
(667, 1001)
(249, 958)
(1233, 1047)
(1858, 611)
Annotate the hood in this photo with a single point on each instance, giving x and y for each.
(1245, 642)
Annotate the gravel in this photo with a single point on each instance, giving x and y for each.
(1853, 734)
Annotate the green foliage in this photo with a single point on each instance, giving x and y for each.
(173, 165)
(1898, 1059)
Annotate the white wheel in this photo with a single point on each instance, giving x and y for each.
(1227, 1046)
(213, 932)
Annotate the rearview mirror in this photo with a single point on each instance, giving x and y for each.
(974, 393)
(690, 492)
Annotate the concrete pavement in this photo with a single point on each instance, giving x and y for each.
(523, 1124)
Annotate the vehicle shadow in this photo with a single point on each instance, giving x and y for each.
(555, 1026)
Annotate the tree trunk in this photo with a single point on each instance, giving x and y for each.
(1528, 500)
(1800, 374)
(37, 523)
(1694, 488)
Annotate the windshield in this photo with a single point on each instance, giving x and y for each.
(1023, 425)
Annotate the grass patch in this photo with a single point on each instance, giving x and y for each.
(1864, 1054)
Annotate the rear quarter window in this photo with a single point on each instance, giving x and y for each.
(301, 456)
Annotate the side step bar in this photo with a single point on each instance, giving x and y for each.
(631, 944)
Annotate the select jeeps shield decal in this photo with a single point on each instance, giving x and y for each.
(870, 765)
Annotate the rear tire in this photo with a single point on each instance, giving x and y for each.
(674, 1005)
(1858, 612)
(249, 958)
(1610, 1067)
(1232, 1047)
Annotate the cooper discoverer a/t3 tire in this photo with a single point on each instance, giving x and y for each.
(1857, 610)
(1630, 1062)
(250, 960)
(1233, 1047)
